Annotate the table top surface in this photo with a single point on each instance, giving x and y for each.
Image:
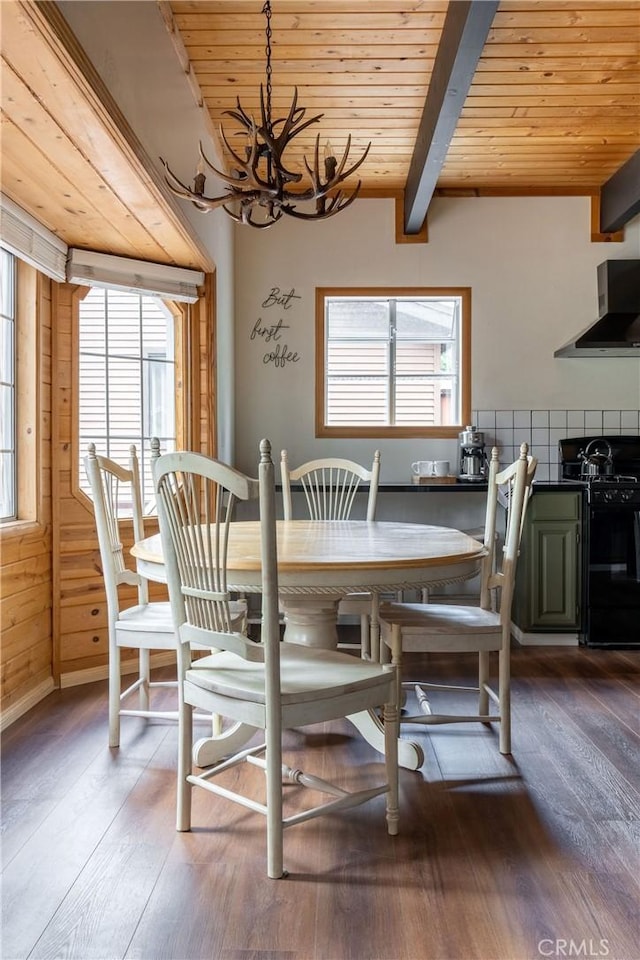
(335, 545)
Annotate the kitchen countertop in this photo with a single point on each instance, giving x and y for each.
(398, 486)
(460, 486)
(556, 486)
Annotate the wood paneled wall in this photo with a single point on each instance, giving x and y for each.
(79, 603)
(26, 652)
(52, 602)
(79, 607)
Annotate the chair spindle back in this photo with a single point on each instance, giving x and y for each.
(330, 486)
(196, 500)
(116, 498)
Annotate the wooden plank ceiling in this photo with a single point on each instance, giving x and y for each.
(553, 107)
(68, 156)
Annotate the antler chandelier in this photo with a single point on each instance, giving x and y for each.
(259, 187)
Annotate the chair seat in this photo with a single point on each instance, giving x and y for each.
(147, 618)
(305, 673)
(134, 624)
(441, 627)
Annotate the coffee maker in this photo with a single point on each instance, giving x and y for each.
(473, 460)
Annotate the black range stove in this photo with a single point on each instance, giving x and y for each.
(609, 469)
(616, 489)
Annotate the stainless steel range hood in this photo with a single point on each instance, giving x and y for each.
(617, 331)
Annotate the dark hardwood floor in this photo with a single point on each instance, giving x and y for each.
(520, 858)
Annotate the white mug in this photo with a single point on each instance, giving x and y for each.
(440, 468)
(423, 468)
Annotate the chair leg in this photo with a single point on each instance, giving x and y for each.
(385, 653)
(114, 695)
(275, 865)
(504, 696)
(374, 629)
(145, 675)
(365, 648)
(396, 660)
(185, 749)
(483, 679)
(391, 734)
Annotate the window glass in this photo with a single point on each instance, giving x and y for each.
(426, 319)
(126, 379)
(8, 499)
(355, 319)
(393, 363)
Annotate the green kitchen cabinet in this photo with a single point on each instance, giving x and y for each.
(548, 581)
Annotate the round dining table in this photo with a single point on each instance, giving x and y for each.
(321, 561)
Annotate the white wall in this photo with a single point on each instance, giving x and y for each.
(532, 270)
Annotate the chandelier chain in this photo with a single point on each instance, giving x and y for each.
(268, 33)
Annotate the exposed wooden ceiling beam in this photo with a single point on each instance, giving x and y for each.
(620, 196)
(464, 33)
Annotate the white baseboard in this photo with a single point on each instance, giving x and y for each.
(92, 674)
(29, 700)
(544, 639)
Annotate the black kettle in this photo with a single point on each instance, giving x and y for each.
(597, 459)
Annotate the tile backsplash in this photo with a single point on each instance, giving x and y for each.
(542, 429)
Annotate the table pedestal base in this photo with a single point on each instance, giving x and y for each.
(368, 723)
(311, 620)
(211, 750)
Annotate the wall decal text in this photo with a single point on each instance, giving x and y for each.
(277, 298)
(271, 333)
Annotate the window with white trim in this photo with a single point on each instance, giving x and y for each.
(392, 362)
(8, 494)
(126, 379)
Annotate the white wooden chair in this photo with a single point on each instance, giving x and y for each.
(269, 685)
(145, 625)
(330, 486)
(450, 628)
